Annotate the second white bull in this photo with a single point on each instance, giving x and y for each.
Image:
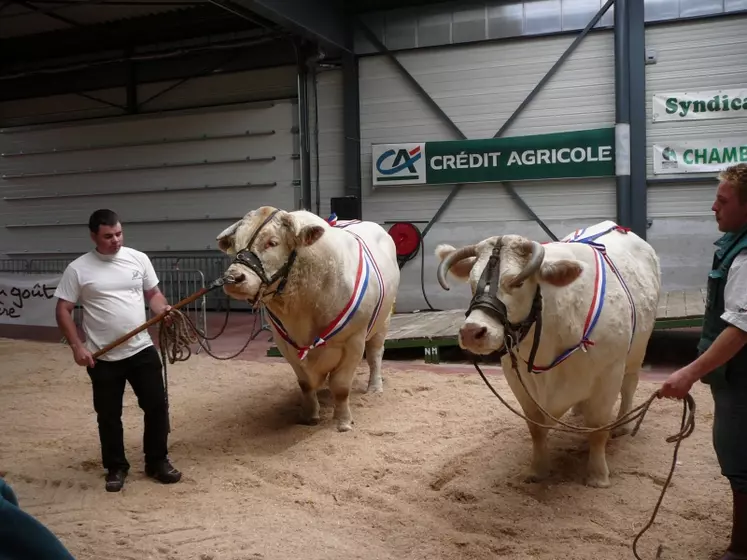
(596, 293)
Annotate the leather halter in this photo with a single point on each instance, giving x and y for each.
(251, 260)
(489, 303)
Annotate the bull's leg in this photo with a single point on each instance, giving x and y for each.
(627, 392)
(374, 355)
(539, 469)
(309, 402)
(598, 412)
(340, 383)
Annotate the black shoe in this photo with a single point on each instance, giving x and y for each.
(115, 479)
(163, 471)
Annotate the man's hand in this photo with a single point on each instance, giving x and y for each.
(168, 318)
(678, 384)
(83, 357)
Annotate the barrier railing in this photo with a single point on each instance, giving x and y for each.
(180, 276)
(177, 284)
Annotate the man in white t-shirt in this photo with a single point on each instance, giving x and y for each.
(112, 283)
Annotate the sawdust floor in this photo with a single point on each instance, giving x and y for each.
(431, 470)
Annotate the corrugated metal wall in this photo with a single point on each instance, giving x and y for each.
(479, 86)
(691, 56)
(205, 168)
(328, 139)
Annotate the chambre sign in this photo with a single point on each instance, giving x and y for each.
(28, 299)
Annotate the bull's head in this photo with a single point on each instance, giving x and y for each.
(264, 244)
(517, 265)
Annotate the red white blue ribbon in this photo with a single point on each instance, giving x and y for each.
(600, 287)
(366, 265)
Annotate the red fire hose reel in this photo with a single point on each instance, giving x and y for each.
(407, 239)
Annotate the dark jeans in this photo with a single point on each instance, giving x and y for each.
(729, 433)
(143, 371)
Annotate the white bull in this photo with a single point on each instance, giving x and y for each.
(605, 324)
(329, 293)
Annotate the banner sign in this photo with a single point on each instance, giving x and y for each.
(564, 155)
(28, 299)
(700, 105)
(698, 156)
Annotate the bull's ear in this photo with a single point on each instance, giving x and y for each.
(226, 238)
(308, 234)
(561, 272)
(460, 269)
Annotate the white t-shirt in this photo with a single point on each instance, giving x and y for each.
(110, 290)
(735, 293)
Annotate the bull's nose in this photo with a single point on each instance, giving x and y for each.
(472, 332)
(240, 277)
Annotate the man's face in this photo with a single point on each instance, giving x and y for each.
(731, 214)
(108, 239)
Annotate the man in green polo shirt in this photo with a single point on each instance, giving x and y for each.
(722, 360)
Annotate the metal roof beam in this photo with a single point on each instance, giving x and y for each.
(321, 21)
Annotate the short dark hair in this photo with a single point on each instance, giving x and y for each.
(102, 217)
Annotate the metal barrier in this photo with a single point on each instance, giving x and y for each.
(177, 284)
(180, 276)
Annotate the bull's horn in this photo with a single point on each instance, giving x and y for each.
(450, 260)
(230, 230)
(535, 261)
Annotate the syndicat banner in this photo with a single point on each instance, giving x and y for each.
(700, 105)
(583, 153)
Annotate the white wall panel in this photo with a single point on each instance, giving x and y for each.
(47, 196)
(479, 86)
(699, 55)
(331, 140)
(691, 56)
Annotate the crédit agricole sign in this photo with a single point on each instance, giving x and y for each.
(583, 153)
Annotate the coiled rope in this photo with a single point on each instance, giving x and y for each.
(175, 342)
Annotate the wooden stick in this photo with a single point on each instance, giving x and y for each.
(152, 321)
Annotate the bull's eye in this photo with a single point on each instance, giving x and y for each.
(271, 243)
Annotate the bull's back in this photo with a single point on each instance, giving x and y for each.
(380, 244)
(638, 264)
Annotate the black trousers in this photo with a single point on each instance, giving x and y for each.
(729, 433)
(143, 371)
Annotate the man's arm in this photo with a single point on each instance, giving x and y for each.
(156, 300)
(727, 344)
(67, 294)
(153, 296)
(724, 348)
(63, 314)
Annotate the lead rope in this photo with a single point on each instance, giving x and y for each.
(687, 424)
(175, 342)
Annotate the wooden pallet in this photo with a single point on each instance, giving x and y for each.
(432, 330)
(681, 308)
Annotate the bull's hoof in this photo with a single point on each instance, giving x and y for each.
(309, 421)
(598, 481)
(375, 389)
(621, 431)
(534, 477)
(345, 426)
